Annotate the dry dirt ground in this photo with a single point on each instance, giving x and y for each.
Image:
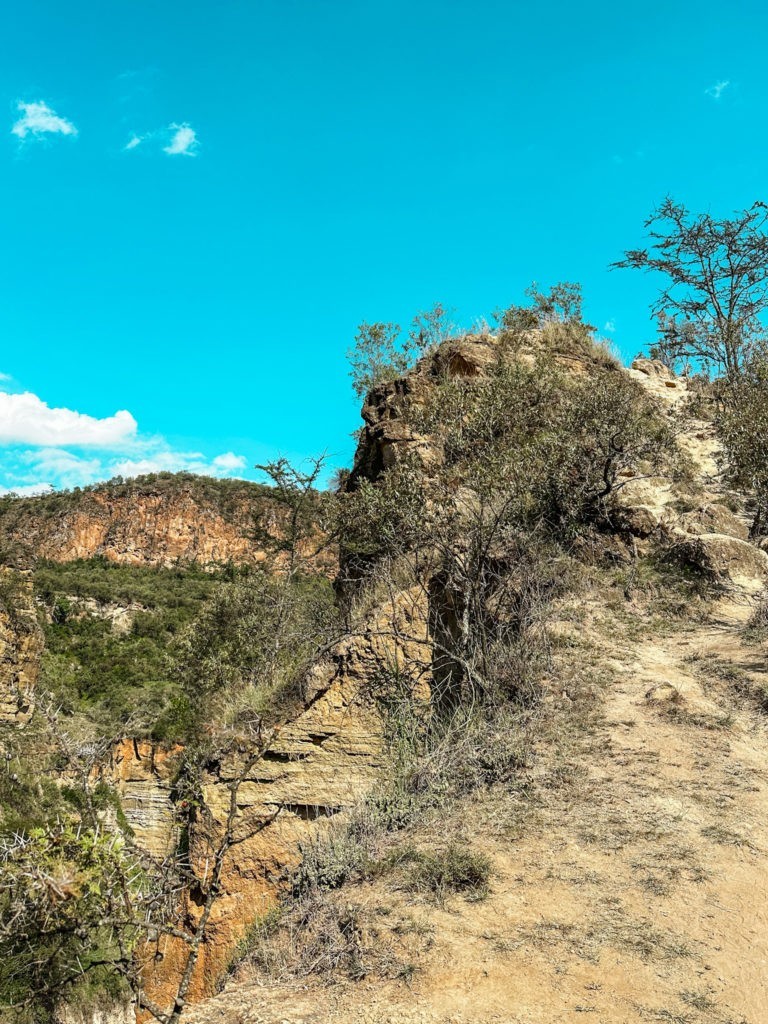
(630, 880)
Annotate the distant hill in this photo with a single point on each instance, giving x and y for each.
(162, 519)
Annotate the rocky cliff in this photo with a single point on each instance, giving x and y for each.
(629, 869)
(329, 753)
(21, 645)
(317, 766)
(142, 774)
(148, 521)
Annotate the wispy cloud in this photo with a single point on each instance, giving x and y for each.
(610, 326)
(229, 462)
(134, 141)
(184, 141)
(171, 461)
(38, 120)
(716, 91)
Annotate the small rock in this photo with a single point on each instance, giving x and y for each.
(664, 693)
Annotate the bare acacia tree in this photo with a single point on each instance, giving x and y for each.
(717, 283)
(296, 491)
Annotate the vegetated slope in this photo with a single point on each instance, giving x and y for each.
(629, 862)
(161, 519)
(109, 631)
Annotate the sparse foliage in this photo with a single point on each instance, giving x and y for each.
(242, 658)
(710, 309)
(742, 424)
(562, 304)
(83, 908)
(378, 355)
(381, 353)
(296, 490)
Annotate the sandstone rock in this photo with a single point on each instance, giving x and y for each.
(142, 525)
(724, 560)
(467, 357)
(639, 520)
(142, 774)
(653, 368)
(714, 518)
(319, 764)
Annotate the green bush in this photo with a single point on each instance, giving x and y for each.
(244, 656)
(450, 869)
(742, 425)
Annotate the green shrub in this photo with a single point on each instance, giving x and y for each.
(450, 869)
(244, 656)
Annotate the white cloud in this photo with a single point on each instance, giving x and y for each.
(169, 461)
(183, 141)
(43, 448)
(38, 120)
(161, 462)
(26, 419)
(65, 467)
(134, 141)
(717, 90)
(610, 326)
(27, 490)
(34, 470)
(229, 462)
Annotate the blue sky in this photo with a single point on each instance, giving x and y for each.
(200, 201)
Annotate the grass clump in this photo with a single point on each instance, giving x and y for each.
(441, 872)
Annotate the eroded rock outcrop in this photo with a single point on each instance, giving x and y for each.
(142, 773)
(318, 765)
(21, 646)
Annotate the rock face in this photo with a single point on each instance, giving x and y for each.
(331, 752)
(697, 527)
(142, 774)
(21, 645)
(725, 560)
(317, 766)
(146, 524)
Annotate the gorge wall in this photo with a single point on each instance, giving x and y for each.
(21, 644)
(154, 522)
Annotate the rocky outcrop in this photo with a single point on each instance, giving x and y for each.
(702, 526)
(317, 766)
(142, 774)
(138, 523)
(724, 560)
(21, 646)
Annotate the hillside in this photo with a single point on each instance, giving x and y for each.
(511, 768)
(629, 857)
